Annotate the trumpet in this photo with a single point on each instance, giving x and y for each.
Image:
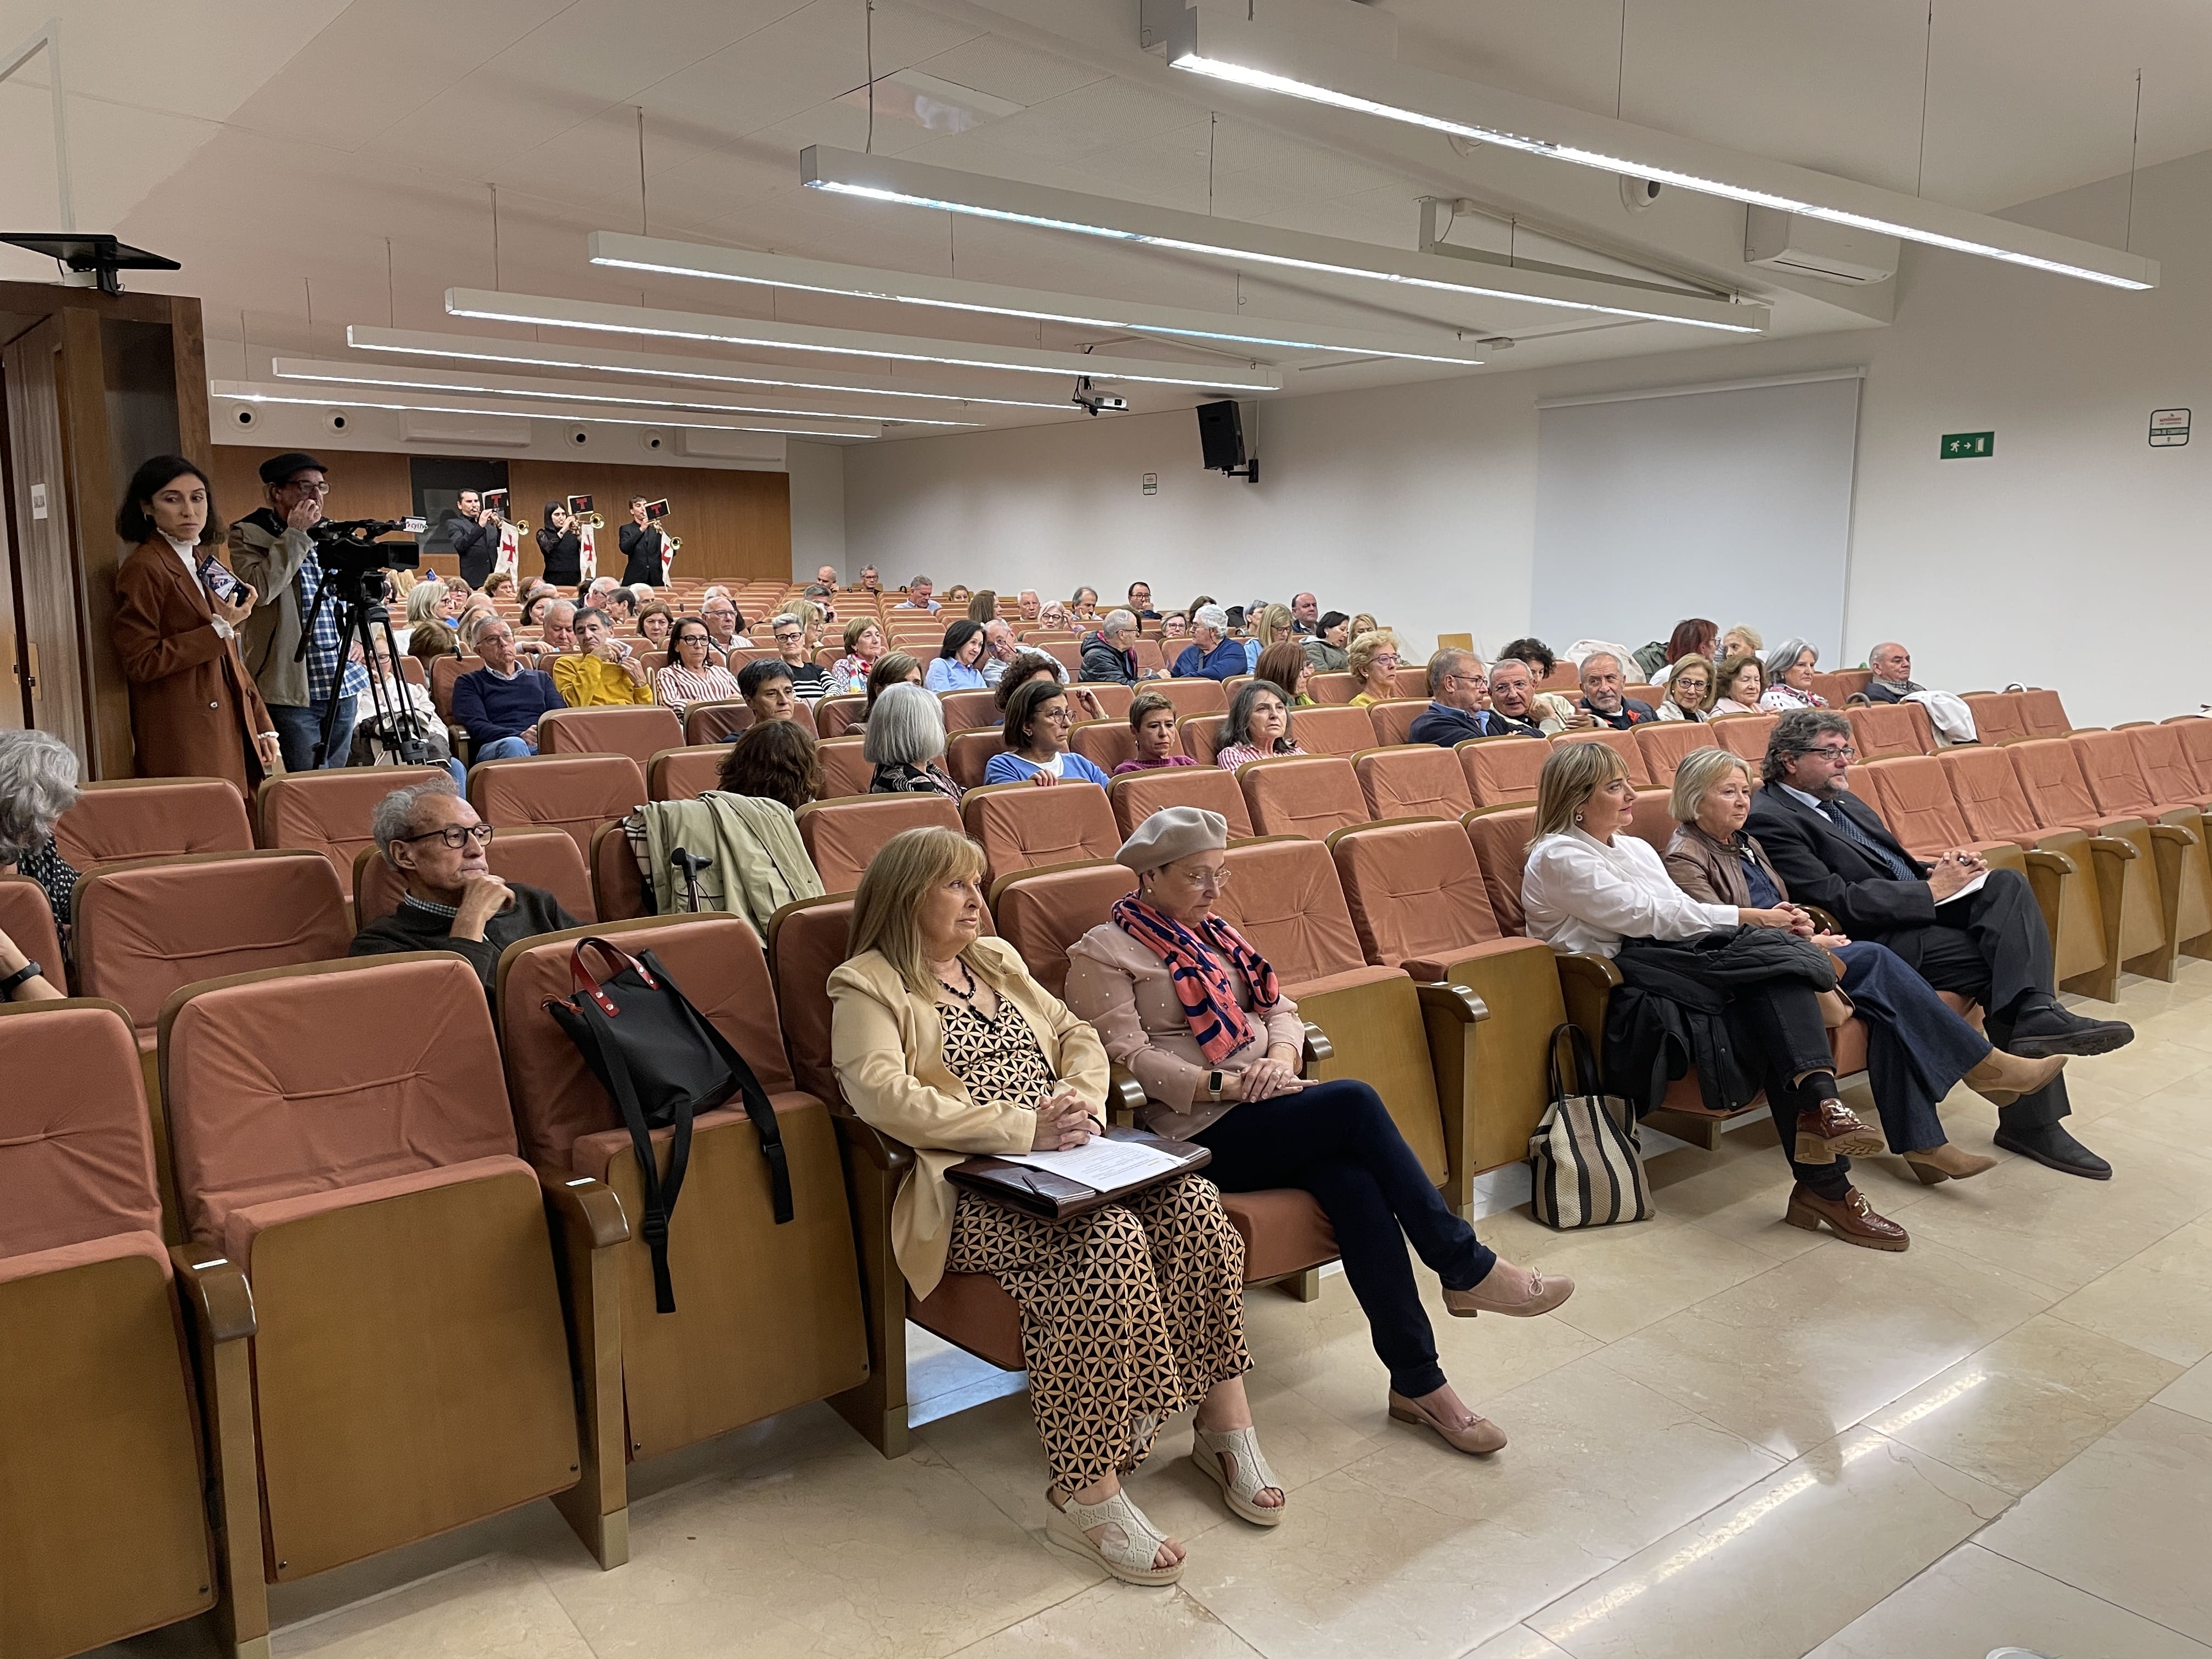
(586, 521)
(675, 544)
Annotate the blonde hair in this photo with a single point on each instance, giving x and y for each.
(1685, 665)
(1277, 619)
(424, 598)
(856, 626)
(1695, 778)
(1750, 636)
(1573, 772)
(908, 867)
(1362, 651)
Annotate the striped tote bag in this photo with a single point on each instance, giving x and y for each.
(1584, 1166)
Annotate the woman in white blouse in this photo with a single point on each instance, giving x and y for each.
(1744, 1008)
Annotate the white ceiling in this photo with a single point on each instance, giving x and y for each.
(293, 155)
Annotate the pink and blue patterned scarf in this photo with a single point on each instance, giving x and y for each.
(1206, 990)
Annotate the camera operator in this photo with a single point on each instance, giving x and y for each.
(273, 552)
(474, 534)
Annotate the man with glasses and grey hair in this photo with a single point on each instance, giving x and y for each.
(435, 840)
(1459, 703)
(1212, 654)
(1963, 925)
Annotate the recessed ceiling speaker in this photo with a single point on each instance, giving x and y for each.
(1640, 195)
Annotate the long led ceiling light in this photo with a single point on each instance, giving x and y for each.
(341, 397)
(542, 354)
(1205, 41)
(592, 315)
(728, 264)
(516, 385)
(914, 184)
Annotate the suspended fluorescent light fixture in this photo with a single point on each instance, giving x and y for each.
(1203, 41)
(915, 184)
(338, 396)
(591, 314)
(540, 354)
(729, 264)
(515, 385)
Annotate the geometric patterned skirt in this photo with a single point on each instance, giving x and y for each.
(1129, 1314)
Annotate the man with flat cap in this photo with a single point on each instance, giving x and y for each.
(271, 550)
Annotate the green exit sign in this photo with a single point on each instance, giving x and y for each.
(1967, 445)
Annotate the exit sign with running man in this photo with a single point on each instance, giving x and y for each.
(1967, 445)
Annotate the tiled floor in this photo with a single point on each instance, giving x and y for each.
(1737, 1441)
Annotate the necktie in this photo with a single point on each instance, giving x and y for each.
(1834, 812)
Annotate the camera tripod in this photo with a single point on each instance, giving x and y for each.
(360, 613)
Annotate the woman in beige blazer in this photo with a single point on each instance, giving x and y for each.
(1184, 1001)
(1130, 1313)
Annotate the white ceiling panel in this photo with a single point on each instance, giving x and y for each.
(994, 64)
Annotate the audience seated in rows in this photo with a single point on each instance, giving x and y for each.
(691, 674)
(499, 705)
(775, 759)
(1742, 679)
(1029, 665)
(1139, 601)
(1212, 654)
(1109, 655)
(1288, 667)
(600, 675)
(810, 681)
(863, 642)
(1605, 699)
(1459, 703)
(1372, 661)
(726, 624)
(1694, 636)
(1893, 682)
(766, 685)
(1689, 689)
(1155, 728)
(958, 665)
(1514, 711)
(1036, 735)
(1325, 645)
(906, 744)
(1257, 726)
(917, 596)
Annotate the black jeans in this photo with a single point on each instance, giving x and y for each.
(1336, 1140)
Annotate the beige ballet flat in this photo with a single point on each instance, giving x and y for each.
(1477, 1437)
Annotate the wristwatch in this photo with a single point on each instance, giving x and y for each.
(31, 971)
(1213, 1085)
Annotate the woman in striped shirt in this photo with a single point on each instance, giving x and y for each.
(691, 676)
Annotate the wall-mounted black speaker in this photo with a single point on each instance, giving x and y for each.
(1221, 435)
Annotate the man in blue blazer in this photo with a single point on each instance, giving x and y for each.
(1459, 703)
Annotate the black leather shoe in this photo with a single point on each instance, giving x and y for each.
(2053, 1148)
(2051, 1031)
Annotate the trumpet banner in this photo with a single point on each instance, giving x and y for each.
(510, 548)
(667, 556)
(587, 563)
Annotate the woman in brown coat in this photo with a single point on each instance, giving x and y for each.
(195, 711)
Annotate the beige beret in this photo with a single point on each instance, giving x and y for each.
(1171, 833)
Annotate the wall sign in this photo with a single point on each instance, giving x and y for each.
(1152, 483)
(2169, 427)
(1967, 445)
(38, 501)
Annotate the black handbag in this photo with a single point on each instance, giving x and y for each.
(662, 1062)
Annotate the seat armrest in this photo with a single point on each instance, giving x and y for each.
(2173, 832)
(589, 1210)
(1125, 1095)
(881, 1152)
(221, 1301)
(1318, 1049)
(1822, 919)
(2113, 846)
(2057, 863)
(1456, 1000)
(1586, 985)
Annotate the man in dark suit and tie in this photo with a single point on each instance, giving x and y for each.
(1987, 941)
(1459, 703)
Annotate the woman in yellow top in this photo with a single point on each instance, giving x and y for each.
(1372, 661)
(1130, 1313)
(599, 676)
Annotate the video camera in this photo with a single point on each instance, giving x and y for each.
(354, 561)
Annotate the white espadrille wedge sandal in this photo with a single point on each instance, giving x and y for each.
(1132, 1543)
(1252, 1476)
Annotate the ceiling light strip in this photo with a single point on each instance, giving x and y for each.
(674, 258)
(1203, 41)
(914, 184)
(544, 311)
(338, 396)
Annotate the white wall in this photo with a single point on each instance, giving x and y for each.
(2074, 546)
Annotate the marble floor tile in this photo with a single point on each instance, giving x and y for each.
(2015, 1412)
(1775, 1569)
(493, 1607)
(1519, 1643)
(1118, 1619)
(1628, 1276)
(2190, 1392)
(1791, 1358)
(2178, 1116)
(2127, 1520)
(2160, 1300)
(1416, 1550)
(1973, 1601)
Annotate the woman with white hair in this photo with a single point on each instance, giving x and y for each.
(1182, 999)
(906, 744)
(38, 784)
(1790, 668)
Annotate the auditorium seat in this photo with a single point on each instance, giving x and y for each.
(639, 733)
(1193, 697)
(845, 767)
(1502, 771)
(574, 792)
(835, 716)
(411, 1370)
(970, 711)
(537, 858)
(2044, 714)
(1204, 736)
(1339, 687)
(966, 755)
(444, 671)
(1388, 722)
(2068, 868)
(1104, 743)
(151, 817)
(1841, 687)
(1019, 825)
(1500, 838)
(1114, 699)
(1150, 659)
(1346, 731)
(2167, 769)
(1744, 735)
(2111, 765)
(722, 720)
(107, 1498)
(328, 812)
(1307, 795)
(1135, 796)
(1410, 683)
(1622, 743)
(1043, 911)
(2050, 775)
(28, 917)
(1887, 731)
(2000, 717)
(619, 890)
(767, 1316)
(1913, 794)
(684, 773)
(842, 836)
(1416, 780)
(1664, 744)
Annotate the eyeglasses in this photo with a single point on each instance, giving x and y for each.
(1840, 751)
(1207, 881)
(458, 835)
(321, 487)
(1385, 656)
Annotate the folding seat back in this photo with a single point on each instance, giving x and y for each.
(1839, 689)
(1308, 795)
(807, 941)
(1135, 796)
(151, 817)
(341, 1132)
(535, 857)
(102, 1522)
(328, 812)
(2114, 776)
(2194, 734)
(1999, 716)
(1193, 697)
(1150, 660)
(1415, 780)
(1991, 799)
(640, 733)
(1502, 771)
(1410, 683)
(1346, 731)
(1041, 912)
(720, 720)
(444, 671)
(845, 768)
(573, 793)
(835, 716)
(2049, 770)
(1021, 826)
(1913, 795)
(1622, 743)
(966, 756)
(28, 917)
(2139, 931)
(1331, 688)
(1744, 735)
(2044, 714)
(687, 772)
(1104, 743)
(1415, 894)
(1390, 721)
(144, 930)
(1204, 736)
(842, 836)
(767, 1316)
(1114, 699)
(970, 711)
(1887, 731)
(1501, 848)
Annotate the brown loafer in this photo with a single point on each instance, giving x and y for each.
(1832, 1130)
(1546, 1292)
(1477, 1437)
(1850, 1218)
(1948, 1162)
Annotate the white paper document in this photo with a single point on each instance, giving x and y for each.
(1973, 886)
(1101, 1163)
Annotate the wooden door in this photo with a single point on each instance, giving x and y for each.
(41, 492)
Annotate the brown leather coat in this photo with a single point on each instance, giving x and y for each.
(194, 710)
(1706, 869)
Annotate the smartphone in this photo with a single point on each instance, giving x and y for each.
(220, 583)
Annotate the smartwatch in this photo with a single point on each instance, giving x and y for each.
(1213, 1086)
(31, 971)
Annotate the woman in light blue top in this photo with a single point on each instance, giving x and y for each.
(958, 664)
(1036, 750)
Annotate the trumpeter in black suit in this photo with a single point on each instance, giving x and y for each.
(1833, 851)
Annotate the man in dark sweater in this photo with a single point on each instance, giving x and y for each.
(1603, 698)
(498, 705)
(1459, 703)
(434, 838)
